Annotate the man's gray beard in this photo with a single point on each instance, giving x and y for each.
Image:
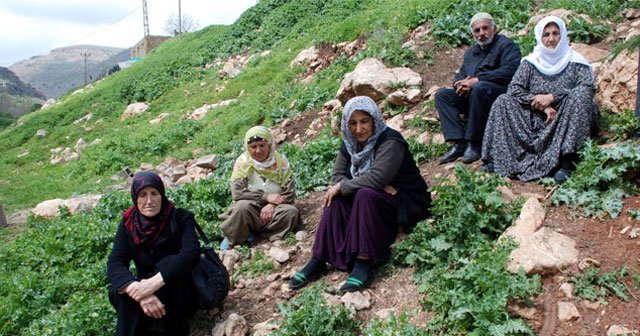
(485, 44)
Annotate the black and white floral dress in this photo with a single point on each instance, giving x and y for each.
(516, 138)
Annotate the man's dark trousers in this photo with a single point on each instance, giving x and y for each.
(476, 107)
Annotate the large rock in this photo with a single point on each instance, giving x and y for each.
(50, 208)
(236, 325)
(372, 78)
(208, 161)
(617, 83)
(357, 300)
(306, 56)
(134, 110)
(200, 112)
(529, 221)
(593, 54)
(546, 251)
(82, 203)
(567, 311)
(616, 330)
(264, 328)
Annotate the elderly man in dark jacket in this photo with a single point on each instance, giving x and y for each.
(484, 75)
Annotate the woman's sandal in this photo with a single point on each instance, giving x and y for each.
(353, 284)
(300, 280)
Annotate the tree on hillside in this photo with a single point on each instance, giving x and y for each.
(187, 25)
(6, 119)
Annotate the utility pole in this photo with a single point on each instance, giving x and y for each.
(145, 18)
(179, 17)
(85, 55)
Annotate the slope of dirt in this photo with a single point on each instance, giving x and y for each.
(257, 299)
(606, 241)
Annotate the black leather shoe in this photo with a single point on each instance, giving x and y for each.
(454, 152)
(488, 167)
(472, 153)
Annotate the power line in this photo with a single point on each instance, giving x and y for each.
(7, 63)
(103, 28)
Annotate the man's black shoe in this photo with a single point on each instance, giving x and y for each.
(472, 153)
(454, 152)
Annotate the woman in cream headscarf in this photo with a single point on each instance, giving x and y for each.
(263, 192)
(535, 129)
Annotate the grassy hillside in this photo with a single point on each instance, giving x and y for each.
(170, 80)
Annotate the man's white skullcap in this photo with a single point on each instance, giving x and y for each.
(480, 16)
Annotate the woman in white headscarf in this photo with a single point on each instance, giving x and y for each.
(535, 129)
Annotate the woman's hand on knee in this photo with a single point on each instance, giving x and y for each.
(153, 307)
(551, 114)
(542, 101)
(332, 192)
(266, 214)
(139, 290)
(390, 190)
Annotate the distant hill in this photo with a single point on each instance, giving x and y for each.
(63, 68)
(16, 97)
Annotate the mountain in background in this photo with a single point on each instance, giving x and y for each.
(17, 97)
(62, 69)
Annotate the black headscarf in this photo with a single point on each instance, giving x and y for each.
(142, 228)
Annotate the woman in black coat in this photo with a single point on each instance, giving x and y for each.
(163, 245)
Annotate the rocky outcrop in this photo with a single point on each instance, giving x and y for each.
(200, 112)
(617, 83)
(540, 250)
(134, 110)
(51, 208)
(372, 78)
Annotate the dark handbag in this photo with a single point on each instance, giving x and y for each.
(210, 276)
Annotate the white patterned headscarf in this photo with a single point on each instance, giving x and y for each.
(553, 61)
(361, 160)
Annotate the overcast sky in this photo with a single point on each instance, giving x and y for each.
(35, 27)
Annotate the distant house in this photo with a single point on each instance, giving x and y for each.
(147, 44)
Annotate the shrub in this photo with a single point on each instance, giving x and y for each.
(602, 178)
(592, 285)
(308, 314)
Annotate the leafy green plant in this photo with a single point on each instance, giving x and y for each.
(582, 31)
(458, 263)
(592, 285)
(635, 214)
(466, 214)
(602, 178)
(387, 45)
(425, 151)
(632, 44)
(308, 314)
(473, 297)
(392, 326)
(312, 163)
(601, 9)
(450, 19)
(258, 264)
(620, 126)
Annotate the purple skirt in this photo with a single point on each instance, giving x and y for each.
(363, 225)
